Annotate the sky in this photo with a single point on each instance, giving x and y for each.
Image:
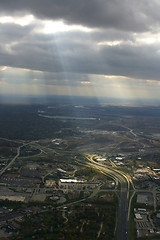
(102, 48)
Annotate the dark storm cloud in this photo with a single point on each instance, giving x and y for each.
(132, 61)
(21, 47)
(125, 15)
(111, 35)
(66, 54)
(11, 32)
(74, 52)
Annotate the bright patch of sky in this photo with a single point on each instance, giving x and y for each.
(58, 26)
(22, 21)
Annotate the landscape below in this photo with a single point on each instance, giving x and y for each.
(64, 168)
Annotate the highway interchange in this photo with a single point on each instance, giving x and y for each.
(127, 192)
(125, 181)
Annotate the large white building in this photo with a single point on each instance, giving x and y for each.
(74, 184)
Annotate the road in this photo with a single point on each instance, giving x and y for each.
(17, 155)
(11, 162)
(122, 226)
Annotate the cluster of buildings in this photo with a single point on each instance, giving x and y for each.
(147, 173)
(147, 222)
(145, 225)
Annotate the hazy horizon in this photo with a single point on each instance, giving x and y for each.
(76, 100)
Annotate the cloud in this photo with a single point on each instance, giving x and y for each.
(44, 44)
(125, 15)
(78, 52)
(26, 76)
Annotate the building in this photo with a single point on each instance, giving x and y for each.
(138, 216)
(145, 198)
(74, 184)
(50, 183)
(13, 198)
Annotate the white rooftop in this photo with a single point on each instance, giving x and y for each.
(138, 216)
(69, 181)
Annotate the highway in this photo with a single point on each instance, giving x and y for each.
(11, 162)
(122, 226)
(17, 155)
